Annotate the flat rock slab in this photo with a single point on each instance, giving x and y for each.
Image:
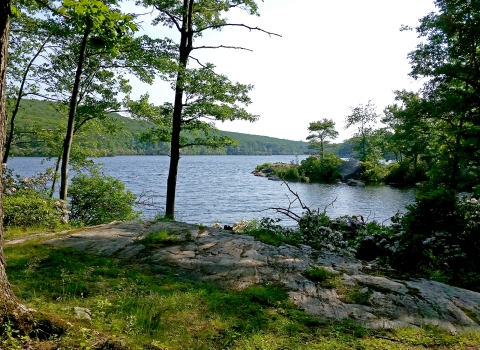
(239, 261)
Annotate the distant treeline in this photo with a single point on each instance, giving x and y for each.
(37, 129)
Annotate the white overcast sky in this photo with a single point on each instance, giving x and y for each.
(332, 55)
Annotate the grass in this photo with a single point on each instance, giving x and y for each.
(18, 232)
(161, 237)
(132, 308)
(325, 278)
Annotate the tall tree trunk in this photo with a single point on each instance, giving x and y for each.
(9, 306)
(55, 175)
(67, 144)
(186, 43)
(8, 143)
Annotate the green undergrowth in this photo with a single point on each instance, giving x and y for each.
(19, 232)
(133, 309)
(161, 237)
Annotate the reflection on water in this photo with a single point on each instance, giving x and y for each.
(222, 188)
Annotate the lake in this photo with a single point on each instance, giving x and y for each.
(222, 188)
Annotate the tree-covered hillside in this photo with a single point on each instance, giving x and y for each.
(39, 123)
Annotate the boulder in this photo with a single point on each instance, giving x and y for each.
(351, 182)
(351, 169)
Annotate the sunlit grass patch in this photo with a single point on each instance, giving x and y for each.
(19, 232)
(161, 237)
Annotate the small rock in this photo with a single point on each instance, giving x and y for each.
(82, 313)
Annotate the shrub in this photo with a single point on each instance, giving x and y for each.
(437, 238)
(269, 231)
(262, 166)
(31, 210)
(404, 173)
(326, 169)
(373, 170)
(26, 202)
(339, 235)
(97, 198)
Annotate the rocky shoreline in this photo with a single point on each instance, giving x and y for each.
(350, 172)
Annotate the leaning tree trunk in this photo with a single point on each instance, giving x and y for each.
(186, 44)
(10, 308)
(67, 143)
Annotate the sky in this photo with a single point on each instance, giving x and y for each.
(331, 56)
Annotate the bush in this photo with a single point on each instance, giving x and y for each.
(97, 198)
(373, 171)
(31, 210)
(326, 169)
(341, 235)
(437, 238)
(404, 173)
(269, 231)
(26, 202)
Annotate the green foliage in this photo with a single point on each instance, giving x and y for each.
(287, 172)
(30, 210)
(161, 237)
(325, 278)
(356, 295)
(26, 203)
(320, 131)
(270, 295)
(364, 118)
(437, 238)
(96, 198)
(404, 173)
(321, 170)
(263, 166)
(373, 171)
(269, 231)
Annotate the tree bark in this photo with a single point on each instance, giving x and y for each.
(67, 144)
(55, 175)
(10, 308)
(185, 48)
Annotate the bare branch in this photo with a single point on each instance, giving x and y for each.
(285, 212)
(200, 63)
(146, 198)
(236, 25)
(304, 207)
(329, 204)
(221, 47)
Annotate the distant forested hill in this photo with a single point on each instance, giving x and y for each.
(39, 125)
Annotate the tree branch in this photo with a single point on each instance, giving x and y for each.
(236, 25)
(172, 17)
(221, 47)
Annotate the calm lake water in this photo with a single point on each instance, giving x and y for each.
(222, 188)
